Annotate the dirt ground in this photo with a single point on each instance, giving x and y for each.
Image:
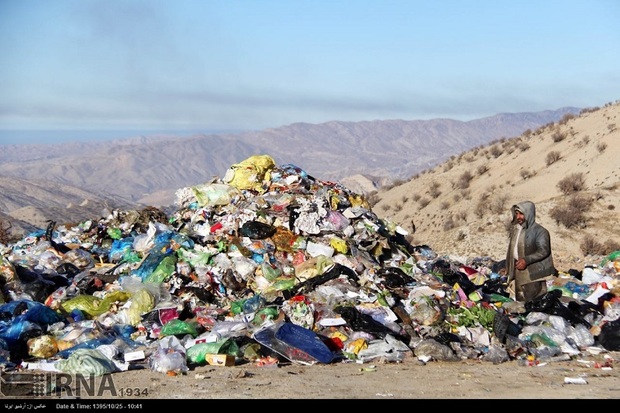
(590, 376)
(410, 379)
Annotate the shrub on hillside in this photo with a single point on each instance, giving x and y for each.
(525, 173)
(464, 180)
(461, 216)
(572, 183)
(483, 169)
(449, 224)
(496, 151)
(373, 198)
(481, 208)
(524, 146)
(434, 189)
(552, 157)
(611, 245)
(448, 165)
(590, 246)
(424, 202)
(566, 118)
(558, 136)
(572, 214)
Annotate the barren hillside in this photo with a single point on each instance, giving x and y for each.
(569, 169)
(149, 170)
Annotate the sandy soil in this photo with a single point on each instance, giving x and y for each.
(410, 379)
(590, 376)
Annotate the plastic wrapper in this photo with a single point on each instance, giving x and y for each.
(32, 311)
(257, 230)
(151, 261)
(7, 270)
(87, 362)
(250, 173)
(15, 332)
(300, 311)
(42, 347)
(170, 356)
(162, 272)
(214, 194)
(196, 353)
(49, 260)
(122, 250)
(176, 326)
(82, 259)
(141, 302)
(92, 306)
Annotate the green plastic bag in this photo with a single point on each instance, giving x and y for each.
(197, 353)
(611, 257)
(164, 269)
(176, 326)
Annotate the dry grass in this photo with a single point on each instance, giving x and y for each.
(569, 170)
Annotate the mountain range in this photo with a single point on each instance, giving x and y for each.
(71, 181)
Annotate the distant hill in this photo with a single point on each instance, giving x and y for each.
(28, 204)
(144, 170)
(569, 169)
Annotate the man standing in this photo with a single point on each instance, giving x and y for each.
(528, 261)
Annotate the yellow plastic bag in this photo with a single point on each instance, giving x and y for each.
(252, 173)
(92, 306)
(142, 301)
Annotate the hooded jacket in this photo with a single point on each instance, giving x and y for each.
(533, 245)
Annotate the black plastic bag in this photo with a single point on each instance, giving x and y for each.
(363, 322)
(257, 230)
(450, 276)
(494, 286)
(609, 337)
(549, 303)
(332, 273)
(394, 277)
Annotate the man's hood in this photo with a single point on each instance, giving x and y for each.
(528, 209)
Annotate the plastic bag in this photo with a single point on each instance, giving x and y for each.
(250, 173)
(214, 194)
(141, 302)
(609, 337)
(169, 356)
(257, 230)
(196, 353)
(176, 326)
(92, 306)
(87, 362)
(164, 269)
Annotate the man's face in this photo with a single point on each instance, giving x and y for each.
(520, 217)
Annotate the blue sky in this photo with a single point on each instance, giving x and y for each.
(256, 64)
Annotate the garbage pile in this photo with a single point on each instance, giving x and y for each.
(270, 265)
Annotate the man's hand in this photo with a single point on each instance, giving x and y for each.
(520, 264)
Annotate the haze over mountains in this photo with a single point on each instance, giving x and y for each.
(73, 181)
